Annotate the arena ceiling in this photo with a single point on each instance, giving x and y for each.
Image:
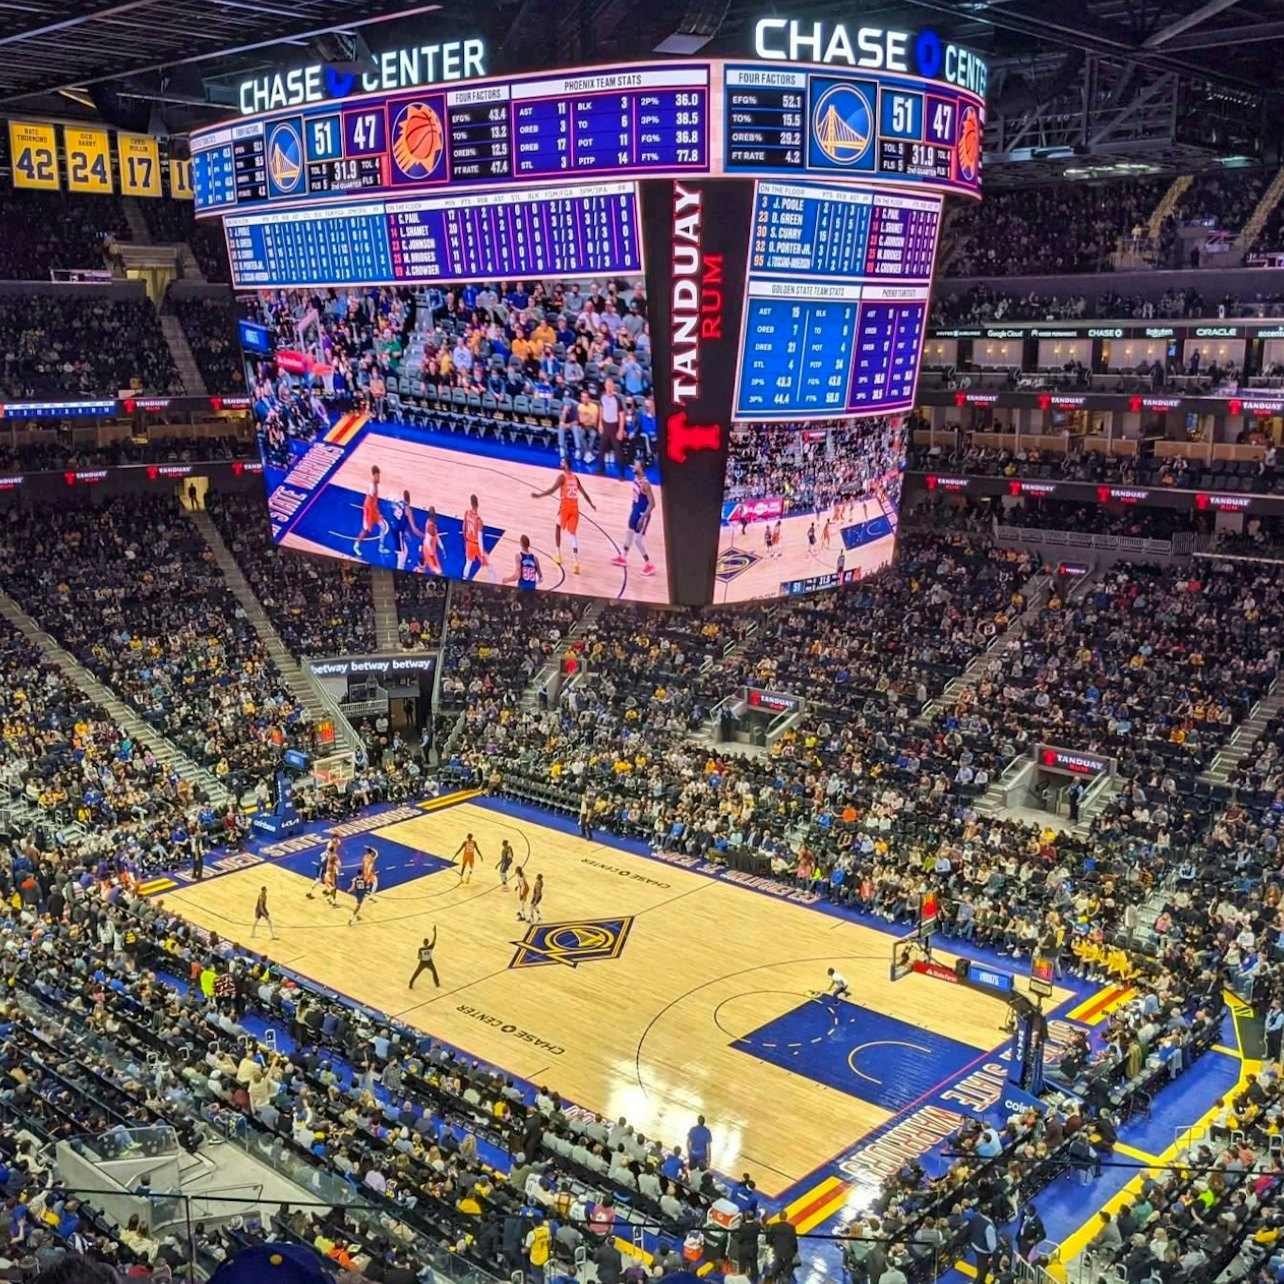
(1104, 78)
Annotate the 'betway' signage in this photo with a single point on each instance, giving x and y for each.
(394, 69)
(377, 666)
(873, 48)
(1080, 764)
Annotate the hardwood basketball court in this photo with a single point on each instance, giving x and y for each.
(650, 991)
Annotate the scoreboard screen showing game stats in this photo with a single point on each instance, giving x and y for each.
(664, 252)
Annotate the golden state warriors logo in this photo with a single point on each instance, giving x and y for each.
(968, 148)
(733, 562)
(418, 140)
(842, 128)
(586, 940)
(285, 158)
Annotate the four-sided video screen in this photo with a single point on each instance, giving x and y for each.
(507, 433)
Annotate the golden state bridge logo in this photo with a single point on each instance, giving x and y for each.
(585, 940)
(842, 124)
(285, 157)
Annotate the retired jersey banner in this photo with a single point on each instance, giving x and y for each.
(88, 159)
(33, 153)
(139, 165)
(180, 179)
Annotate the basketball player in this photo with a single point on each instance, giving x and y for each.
(838, 987)
(425, 961)
(360, 889)
(468, 853)
(568, 512)
(766, 537)
(537, 895)
(368, 859)
(526, 568)
(403, 527)
(430, 553)
(505, 862)
(775, 539)
(331, 852)
(330, 889)
(523, 892)
(639, 519)
(824, 534)
(261, 913)
(474, 530)
(371, 517)
(811, 536)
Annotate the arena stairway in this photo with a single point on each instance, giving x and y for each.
(120, 713)
(307, 692)
(1242, 738)
(546, 678)
(139, 232)
(383, 593)
(188, 371)
(1252, 229)
(1037, 590)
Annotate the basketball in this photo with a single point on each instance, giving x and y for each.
(418, 144)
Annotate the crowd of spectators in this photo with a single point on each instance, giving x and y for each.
(473, 358)
(1215, 1212)
(1222, 198)
(1077, 463)
(56, 449)
(80, 345)
(982, 302)
(42, 231)
(1151, 666)
(421, 610)
(209, 324)
(1058, 228)
(815, 467)
(319, 605)
(129, 588)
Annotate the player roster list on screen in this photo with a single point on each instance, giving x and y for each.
(836, 301)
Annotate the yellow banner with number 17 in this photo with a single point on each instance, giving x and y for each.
(139, 165)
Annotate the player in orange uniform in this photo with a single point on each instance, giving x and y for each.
(474, 529)
(568, 511)
(371, 518)
(430, 555)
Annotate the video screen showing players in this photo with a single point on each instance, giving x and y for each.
(808, 506)
(495, 431)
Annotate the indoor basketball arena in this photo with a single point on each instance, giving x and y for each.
(642, 643)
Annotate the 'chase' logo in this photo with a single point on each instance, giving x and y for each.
(339, 84)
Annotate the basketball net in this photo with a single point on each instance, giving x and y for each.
(337, 769)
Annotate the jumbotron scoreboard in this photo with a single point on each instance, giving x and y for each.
(783, 209)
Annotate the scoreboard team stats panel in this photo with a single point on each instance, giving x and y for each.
(783, 215)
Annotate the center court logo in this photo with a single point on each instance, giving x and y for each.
(734, 562)
(587, 940)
